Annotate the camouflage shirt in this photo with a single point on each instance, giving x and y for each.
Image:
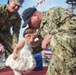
(7, 21)
(58, 22)
(61, 24)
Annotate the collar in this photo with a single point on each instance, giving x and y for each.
(43, 20)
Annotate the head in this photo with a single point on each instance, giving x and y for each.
(32, 17)
(31, 32)
(14, 5)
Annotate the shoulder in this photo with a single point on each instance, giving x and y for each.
(57, 12)
(3, 7)
(52, 10)
(56, 8)
(60, 10)
(22, 40)
(16, 16)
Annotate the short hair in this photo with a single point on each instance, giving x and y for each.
(28, 31)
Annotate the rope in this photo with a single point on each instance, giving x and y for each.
(39, 3)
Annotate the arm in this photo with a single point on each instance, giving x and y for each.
(46, 40)
(17, 48)
(1, 8)
(2, 14)
(16, 29)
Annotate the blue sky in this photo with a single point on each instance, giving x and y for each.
(42, 7)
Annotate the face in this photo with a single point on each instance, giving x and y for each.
(13, 7)
(34, 22)
(31, 35)
(35, 34)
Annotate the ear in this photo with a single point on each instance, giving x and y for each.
(35, 14)
(11, 0)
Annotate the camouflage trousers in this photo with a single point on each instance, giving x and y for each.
(59, 69)
(6, 41)
(63, 60)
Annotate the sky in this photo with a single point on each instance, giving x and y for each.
(47, 4)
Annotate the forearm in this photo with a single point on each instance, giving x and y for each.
(15, 38)
(16, 30)
(16, 35)
(46, 41)
(15, 54)
(15, 51)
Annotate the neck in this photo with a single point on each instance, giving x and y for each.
(41, 16)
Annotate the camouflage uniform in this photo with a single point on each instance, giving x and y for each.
(61, 23)
(8, 21)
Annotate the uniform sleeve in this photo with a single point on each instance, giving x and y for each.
(1, 10)
(16, 30)
(0, 7)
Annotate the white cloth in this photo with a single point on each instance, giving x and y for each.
(25, 60)
(17, 72)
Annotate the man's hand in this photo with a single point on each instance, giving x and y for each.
(45, 41)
